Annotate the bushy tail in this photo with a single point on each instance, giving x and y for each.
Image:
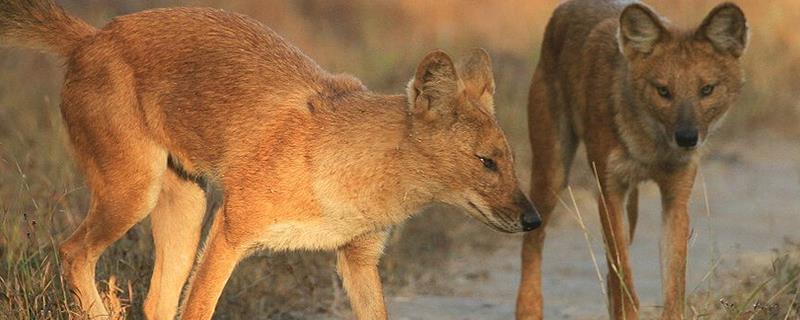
(40, 24)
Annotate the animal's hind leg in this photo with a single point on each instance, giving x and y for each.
(632, 210)
(123, 169)
(553, 143)
(177, 222)
(123, 192)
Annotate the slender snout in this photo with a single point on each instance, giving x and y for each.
(530, 218)
(687, 137)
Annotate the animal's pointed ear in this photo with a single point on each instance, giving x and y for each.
(434, 86)
(640, 30)
(726, 28)
(476, 73)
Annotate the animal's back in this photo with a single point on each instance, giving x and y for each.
(208, 83)
(570, 26)
(210, 45)
(580, 38)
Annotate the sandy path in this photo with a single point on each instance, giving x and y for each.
(754, 201)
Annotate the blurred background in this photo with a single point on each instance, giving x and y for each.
(439, 265)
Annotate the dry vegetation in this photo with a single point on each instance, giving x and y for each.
(753, 292)
(43, 198)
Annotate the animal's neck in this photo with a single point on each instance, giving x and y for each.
(374, 146)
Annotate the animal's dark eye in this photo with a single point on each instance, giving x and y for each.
(664, 92)
(488, 163)
(707, 90)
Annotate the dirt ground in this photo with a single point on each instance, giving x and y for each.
(752, 186)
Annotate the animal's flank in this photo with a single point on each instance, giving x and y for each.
(40, 24)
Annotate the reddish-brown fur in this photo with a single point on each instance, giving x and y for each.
(633, 89)
(306, 159)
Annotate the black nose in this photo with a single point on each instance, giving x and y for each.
(686, 138)
(531, 220)
(530, 217)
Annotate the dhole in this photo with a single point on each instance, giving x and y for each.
(307, 160)
(643, 96)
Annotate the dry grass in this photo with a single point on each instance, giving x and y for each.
(43, 198)
(750, 290)
(754, 292)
